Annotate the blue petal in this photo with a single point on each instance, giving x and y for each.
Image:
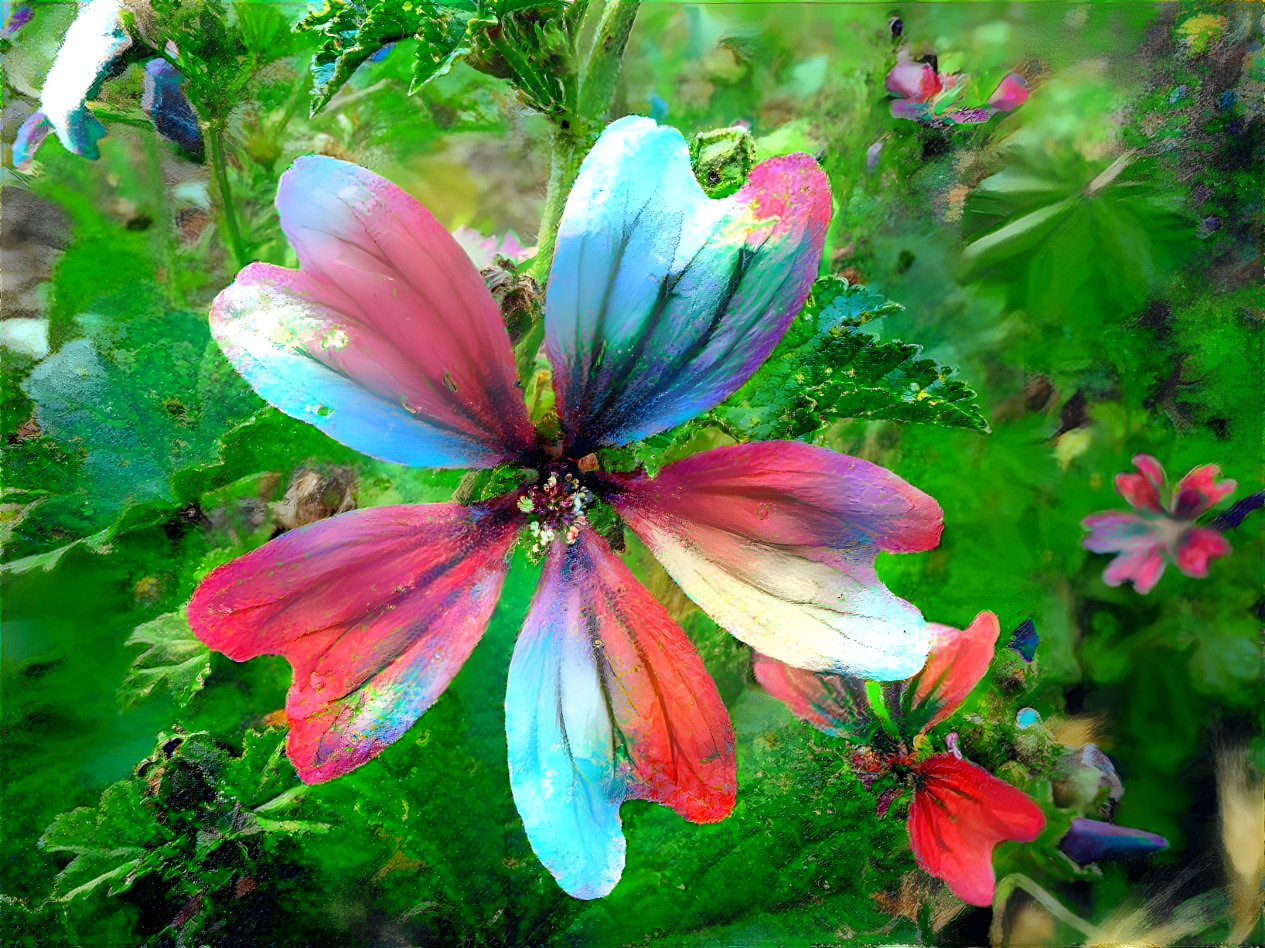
(562, 764)
(1094, 841)
(30, 135)
(168, 108)
(661, 301)
(94, 50)
(1024, 640)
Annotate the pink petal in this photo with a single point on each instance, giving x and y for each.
(376, 610)
(1113, 531)
(834, 704)
(776, 541)
(608, 700)
(1143, 568)
(1139, 492)
(957, 661)
(1198, 491)
(959, 813)
(1010, 93)
(1197, 546)
(916, 82)
(386, 309)
(1143, 491)
(663, 301)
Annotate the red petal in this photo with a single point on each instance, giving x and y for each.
(1199, 490)
(957, 661)
(1197, 547)
(959, 813)
(834, 704)
(376, 610)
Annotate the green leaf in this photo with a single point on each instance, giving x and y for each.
(1072, 238)
(107, 840)
(175, 660)
(826, 370)
(135, 419)
(355, 31)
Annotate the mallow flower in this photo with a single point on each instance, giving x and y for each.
(660, 303)
(925, 95)
(959, 811)
(1163, 529)
(100, 44)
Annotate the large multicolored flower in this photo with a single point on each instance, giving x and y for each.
(1163, 530)
(661, 303)
(959, 811)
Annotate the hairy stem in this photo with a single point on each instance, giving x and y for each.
(573, 134)
(228, 216)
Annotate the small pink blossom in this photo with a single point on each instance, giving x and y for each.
(931, 97)
(484, 250)
(1163, 528)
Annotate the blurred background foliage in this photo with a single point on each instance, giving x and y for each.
(1091, 266)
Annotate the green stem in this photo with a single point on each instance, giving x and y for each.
(564, 164)
(228, 215)
(574, 133)
(601, 67)
(1017, 880)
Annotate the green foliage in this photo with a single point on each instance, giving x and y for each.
(174, 660)
(1107, 235)
(186, 829)
(527, 42)
(826, 370)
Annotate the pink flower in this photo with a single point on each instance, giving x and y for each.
(483, 250)
(959, 811)
(924, 95)
(1163, 529)
(661, 303)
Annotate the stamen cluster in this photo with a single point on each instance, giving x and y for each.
(554, 508)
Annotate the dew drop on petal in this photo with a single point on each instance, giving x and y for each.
(316, 681)
(762, 511)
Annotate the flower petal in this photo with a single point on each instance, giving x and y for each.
(1115, 531)
(1196, 547)
(1090, 841)
(776, 541)
(958, 814)
(914, 82)
(164, 101)
(1142, 567)
(957, 661)
(1010, 93)
(30, 136)
(1199, 490)
(834, 704)
(1024, 640)
(92, 51)
(1143, 490)
(662, 301)
(375, 609)
(607, 700)
(387, 338)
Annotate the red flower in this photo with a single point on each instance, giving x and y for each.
(959, 811)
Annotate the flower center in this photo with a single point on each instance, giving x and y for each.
(555, 508)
